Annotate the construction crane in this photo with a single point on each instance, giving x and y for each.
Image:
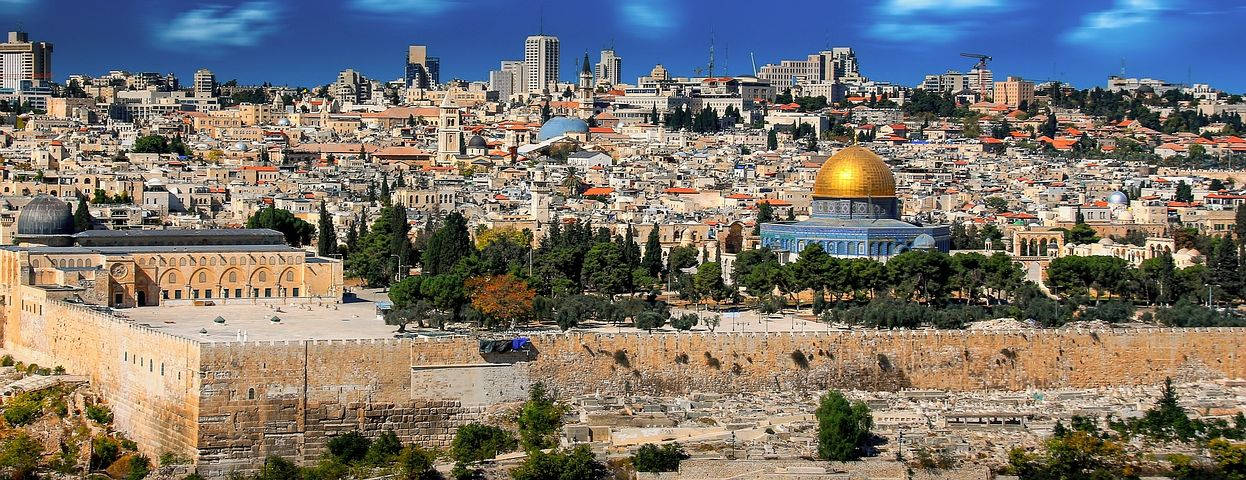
(981, 68)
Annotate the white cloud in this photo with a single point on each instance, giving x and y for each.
(415, 7)
(937, 21)
(905, 7)
(216, 25)
(1111, 26)
(648, 16)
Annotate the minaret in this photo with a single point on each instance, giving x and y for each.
(585, 93)
(449, 137)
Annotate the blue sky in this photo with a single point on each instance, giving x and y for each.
(307, 42)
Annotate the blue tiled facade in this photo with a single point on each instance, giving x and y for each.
(852, 228)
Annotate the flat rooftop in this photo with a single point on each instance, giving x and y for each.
(330, 321)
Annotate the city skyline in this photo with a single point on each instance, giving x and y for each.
(897, 41)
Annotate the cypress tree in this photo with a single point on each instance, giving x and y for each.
(326, 238)
(82, 216)
(652, 261)
(1225, 268)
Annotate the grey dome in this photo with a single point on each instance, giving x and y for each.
(561, 126)
(477, 141)
(1118, 198)
(924, 242)
(45, 215)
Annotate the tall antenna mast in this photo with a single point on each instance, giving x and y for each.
(541, 21)
(710, 67)
(726, 58)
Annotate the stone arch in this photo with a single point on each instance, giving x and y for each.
(230, 275)
(262, 277)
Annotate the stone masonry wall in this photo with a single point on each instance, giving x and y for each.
(148, 378)
(287, 398)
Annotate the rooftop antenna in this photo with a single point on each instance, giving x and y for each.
(541, 19)
(726, 58)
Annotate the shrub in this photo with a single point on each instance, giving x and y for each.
(19, 455)
(21, 410)
(6, 361)
(620, 357)
(843, 428)
(104, 451)
(685, 321)
(101, 414)
(652, 458)
(540, 419)
(798, 358)
(477, 442)
(415, 463)
(384, 449)
(140, 466)
(350, 447)
(712, 362)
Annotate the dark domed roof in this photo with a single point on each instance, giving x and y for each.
(561, 126)
(45, 215)
(477, 141)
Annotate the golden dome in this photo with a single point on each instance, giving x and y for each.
(854, 172)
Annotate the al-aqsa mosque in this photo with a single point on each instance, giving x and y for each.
(855, 213)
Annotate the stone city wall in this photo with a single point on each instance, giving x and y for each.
(148, 378)
(229, 404)
(287, 398)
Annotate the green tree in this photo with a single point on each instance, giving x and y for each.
(765, 214)
(349, 447)
(605, 270)
(416, 463)
(996, 203)
(843, 428)
(772, 140)
(82, 216)
(278, 468)
(539, 419)
(1184, 192)
(475, 442)
(654, 458)
(326, 238)
(573, 464)
(384, 450)
(1226, 271)
(297, 231)
(1077, 454)
(709, 280)
(652, 260)
(448, 245)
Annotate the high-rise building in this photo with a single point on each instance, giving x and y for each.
(609, 68)
(541, 62)
(205, 83)
(351, 87)
(501, 81)
(1014, 92)
(519, 75)
(25, 64)
(837, 65)
(422, 71)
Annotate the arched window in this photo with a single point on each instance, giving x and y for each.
(233, 276)
(203, 277)
(250, 394)
(289, 275)
(263, 276)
